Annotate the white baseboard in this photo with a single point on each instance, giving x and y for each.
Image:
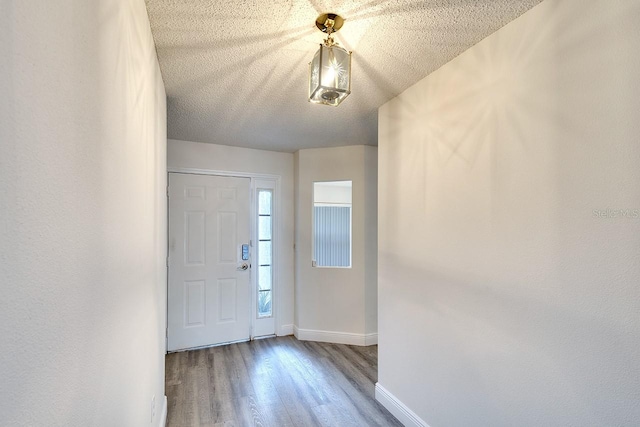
(371, 339)
(163, 414)
(285, 330)
(335, 337)
(405, 415)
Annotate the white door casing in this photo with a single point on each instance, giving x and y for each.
(209, 294)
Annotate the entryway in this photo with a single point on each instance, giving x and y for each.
(219, 243)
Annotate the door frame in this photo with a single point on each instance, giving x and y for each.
(253, 232)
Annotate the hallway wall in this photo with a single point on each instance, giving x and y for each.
(509, 233)
(82, 215)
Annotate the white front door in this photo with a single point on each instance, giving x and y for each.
(209, 290)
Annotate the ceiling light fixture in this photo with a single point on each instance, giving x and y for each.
(330, 69)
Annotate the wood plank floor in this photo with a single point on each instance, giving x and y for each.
(275, 382)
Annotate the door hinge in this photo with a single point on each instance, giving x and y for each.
(167, 261)
(167, 191)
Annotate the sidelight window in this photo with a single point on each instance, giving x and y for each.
(265, 253)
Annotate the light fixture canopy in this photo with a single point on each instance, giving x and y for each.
(330, 69)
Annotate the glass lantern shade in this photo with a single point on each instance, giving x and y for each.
(330, 75)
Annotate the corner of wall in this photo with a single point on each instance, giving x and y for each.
(296, 225)
(371, 240)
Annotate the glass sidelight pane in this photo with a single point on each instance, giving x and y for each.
(264, 303)
(264, 227)
(264, 278)
(264, 253)
(264, 202)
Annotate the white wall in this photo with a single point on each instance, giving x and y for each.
(336, 304)
(333, 192)
(82, 215)
(195, 155)
(506, 297)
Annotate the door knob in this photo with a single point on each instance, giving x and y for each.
(244, 266)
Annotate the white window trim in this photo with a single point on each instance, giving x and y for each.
(313, 243)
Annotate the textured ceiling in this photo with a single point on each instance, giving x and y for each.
(235, 71)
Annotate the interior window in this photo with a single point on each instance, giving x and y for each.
(332, 202)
